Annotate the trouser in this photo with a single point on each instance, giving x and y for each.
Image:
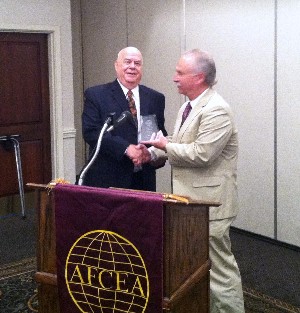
(226, 294)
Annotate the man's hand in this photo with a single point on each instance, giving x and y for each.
(158, 141)
(139, 154)
(146, 155)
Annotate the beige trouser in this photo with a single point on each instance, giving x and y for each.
(226, 294)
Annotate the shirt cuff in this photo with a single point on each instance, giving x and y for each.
(153, 154)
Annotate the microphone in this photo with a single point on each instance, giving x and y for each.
(125, 116)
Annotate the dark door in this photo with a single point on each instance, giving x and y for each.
(24, 109)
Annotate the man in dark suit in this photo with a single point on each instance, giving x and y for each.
(120, 161)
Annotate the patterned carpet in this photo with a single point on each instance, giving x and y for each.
(18, 292)
(259, 302)
(18, 288)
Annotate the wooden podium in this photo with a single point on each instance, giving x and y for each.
(186, 255)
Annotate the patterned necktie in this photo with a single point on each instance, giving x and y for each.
(186, 112)
(133, 111)
(132, 106)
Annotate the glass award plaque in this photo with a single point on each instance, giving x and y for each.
(148, 126)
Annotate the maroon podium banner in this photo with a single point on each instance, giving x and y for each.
(109, 246)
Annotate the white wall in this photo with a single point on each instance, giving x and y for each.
(241, 38)
(257, 70)
(288, 121)
(54, 18)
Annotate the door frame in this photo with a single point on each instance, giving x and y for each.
(55, 88)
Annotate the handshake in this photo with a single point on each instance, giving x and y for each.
(138, 154)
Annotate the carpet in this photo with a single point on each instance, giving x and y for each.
(18, 289)
(18, 292)
(258, 302)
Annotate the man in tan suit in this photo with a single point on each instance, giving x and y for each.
(203, 154)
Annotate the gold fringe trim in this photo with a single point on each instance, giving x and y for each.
(169, 196)
(54, 182)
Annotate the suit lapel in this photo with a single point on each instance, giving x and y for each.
(144, 101)
(118, 96)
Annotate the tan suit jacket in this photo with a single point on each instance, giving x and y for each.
(204, 165)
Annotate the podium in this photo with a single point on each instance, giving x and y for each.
(186, 261)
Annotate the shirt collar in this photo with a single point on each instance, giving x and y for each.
(135, 90)
(193, 102)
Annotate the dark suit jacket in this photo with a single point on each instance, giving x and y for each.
(112, 168)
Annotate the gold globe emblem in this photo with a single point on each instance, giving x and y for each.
(105, 273)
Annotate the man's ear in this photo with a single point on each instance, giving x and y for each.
(201, 78)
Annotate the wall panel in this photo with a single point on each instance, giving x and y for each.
(288, 108)
(155, 27)
(103, 36)
(241, 38)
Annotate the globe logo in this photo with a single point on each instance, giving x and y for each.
(105, 273)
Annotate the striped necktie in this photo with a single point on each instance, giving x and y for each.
(186, 112)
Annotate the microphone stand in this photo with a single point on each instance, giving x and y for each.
(88, 165)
